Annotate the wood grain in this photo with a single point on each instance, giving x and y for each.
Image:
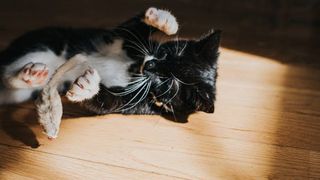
(266, 125)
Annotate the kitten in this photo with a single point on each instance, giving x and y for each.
(129, 73)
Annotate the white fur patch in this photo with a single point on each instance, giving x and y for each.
(148, 58)
(113, 66)
(161, 19)
(9, 96)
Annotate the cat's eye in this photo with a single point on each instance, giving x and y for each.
(150, 65)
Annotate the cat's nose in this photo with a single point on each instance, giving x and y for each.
(149, 65)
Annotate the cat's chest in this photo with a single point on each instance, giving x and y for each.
(112, 68)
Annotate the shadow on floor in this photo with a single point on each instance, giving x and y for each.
(19, 129)
(17, 121)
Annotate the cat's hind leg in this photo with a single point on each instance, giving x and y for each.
(30, 76)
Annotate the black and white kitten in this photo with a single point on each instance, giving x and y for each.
(129, 74)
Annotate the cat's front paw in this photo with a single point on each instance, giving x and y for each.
(161, 19)
(85, 87)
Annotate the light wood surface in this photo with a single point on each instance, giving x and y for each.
(266, 125)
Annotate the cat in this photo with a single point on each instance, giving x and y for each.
(129, 72)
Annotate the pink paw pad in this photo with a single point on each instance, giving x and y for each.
(161, 19)
(85, 86)
(34, 74)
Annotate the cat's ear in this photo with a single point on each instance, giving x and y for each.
(205, 100)
(205, 106)
(208, 46)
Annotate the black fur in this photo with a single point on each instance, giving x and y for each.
(179, 84)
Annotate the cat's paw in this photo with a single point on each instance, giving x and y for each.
(34, 74)
(85, 87)
(161, 19)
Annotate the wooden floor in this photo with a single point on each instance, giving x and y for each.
(267, 119)
(266, 125)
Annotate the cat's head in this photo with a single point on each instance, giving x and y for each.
(183, 75)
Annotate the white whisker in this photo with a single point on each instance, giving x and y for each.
(140, 50)
(142, 97)
(175, 94)
(166, 90)
(182, 50)
(144, 50)
(135, 36)
(180, 81)
(157, 49)
(128, 103)
(150, 43)
(172, 110)
(163, 82)
(177, 45)
(139, 79)
(130, 89)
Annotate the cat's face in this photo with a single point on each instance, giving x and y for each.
(183, 75)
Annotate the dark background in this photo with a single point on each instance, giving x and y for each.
(284, 30)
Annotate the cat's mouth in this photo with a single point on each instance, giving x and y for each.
(159, 103)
